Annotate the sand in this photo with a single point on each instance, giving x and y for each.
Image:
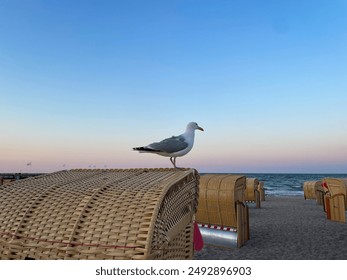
(286, 228)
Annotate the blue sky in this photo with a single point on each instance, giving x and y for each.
(82, 82)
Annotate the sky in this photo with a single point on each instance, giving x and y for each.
(82, 82)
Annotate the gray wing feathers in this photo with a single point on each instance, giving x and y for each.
(170, 145)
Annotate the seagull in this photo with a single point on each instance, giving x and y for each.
(175, 146)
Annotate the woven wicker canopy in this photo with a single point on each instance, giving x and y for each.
(261, 190)
(222, 216)
(337, 187)
(251, 188)
(100, 214)
(218, 197)
(335, 198)
(310, 189)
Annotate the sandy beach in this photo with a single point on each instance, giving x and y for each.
(286, 228)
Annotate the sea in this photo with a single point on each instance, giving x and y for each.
(288, 184)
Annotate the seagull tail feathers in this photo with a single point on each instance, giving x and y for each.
(145, 150)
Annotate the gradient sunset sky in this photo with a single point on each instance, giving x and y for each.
(82, 82)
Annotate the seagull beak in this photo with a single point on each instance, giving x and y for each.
(200, 128)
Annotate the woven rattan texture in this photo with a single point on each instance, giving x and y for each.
(335, 199)
(251, 187)
(310, 188)
(261, 190)
(217, 199)
(319, 193)
(100, 214)
(337, 186)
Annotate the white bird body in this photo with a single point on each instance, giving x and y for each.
(175, 146)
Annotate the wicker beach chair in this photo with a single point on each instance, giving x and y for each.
(261, 191)
(335, 198)
(310, 188)
(252, 194)
(222, 215)
(319, 192)
(100, 214)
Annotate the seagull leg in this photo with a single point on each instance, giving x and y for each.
(173, 161)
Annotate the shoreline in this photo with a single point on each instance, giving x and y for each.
(286, 228)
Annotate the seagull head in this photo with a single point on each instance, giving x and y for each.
(193, 126)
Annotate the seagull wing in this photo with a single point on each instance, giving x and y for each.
(170, 145)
